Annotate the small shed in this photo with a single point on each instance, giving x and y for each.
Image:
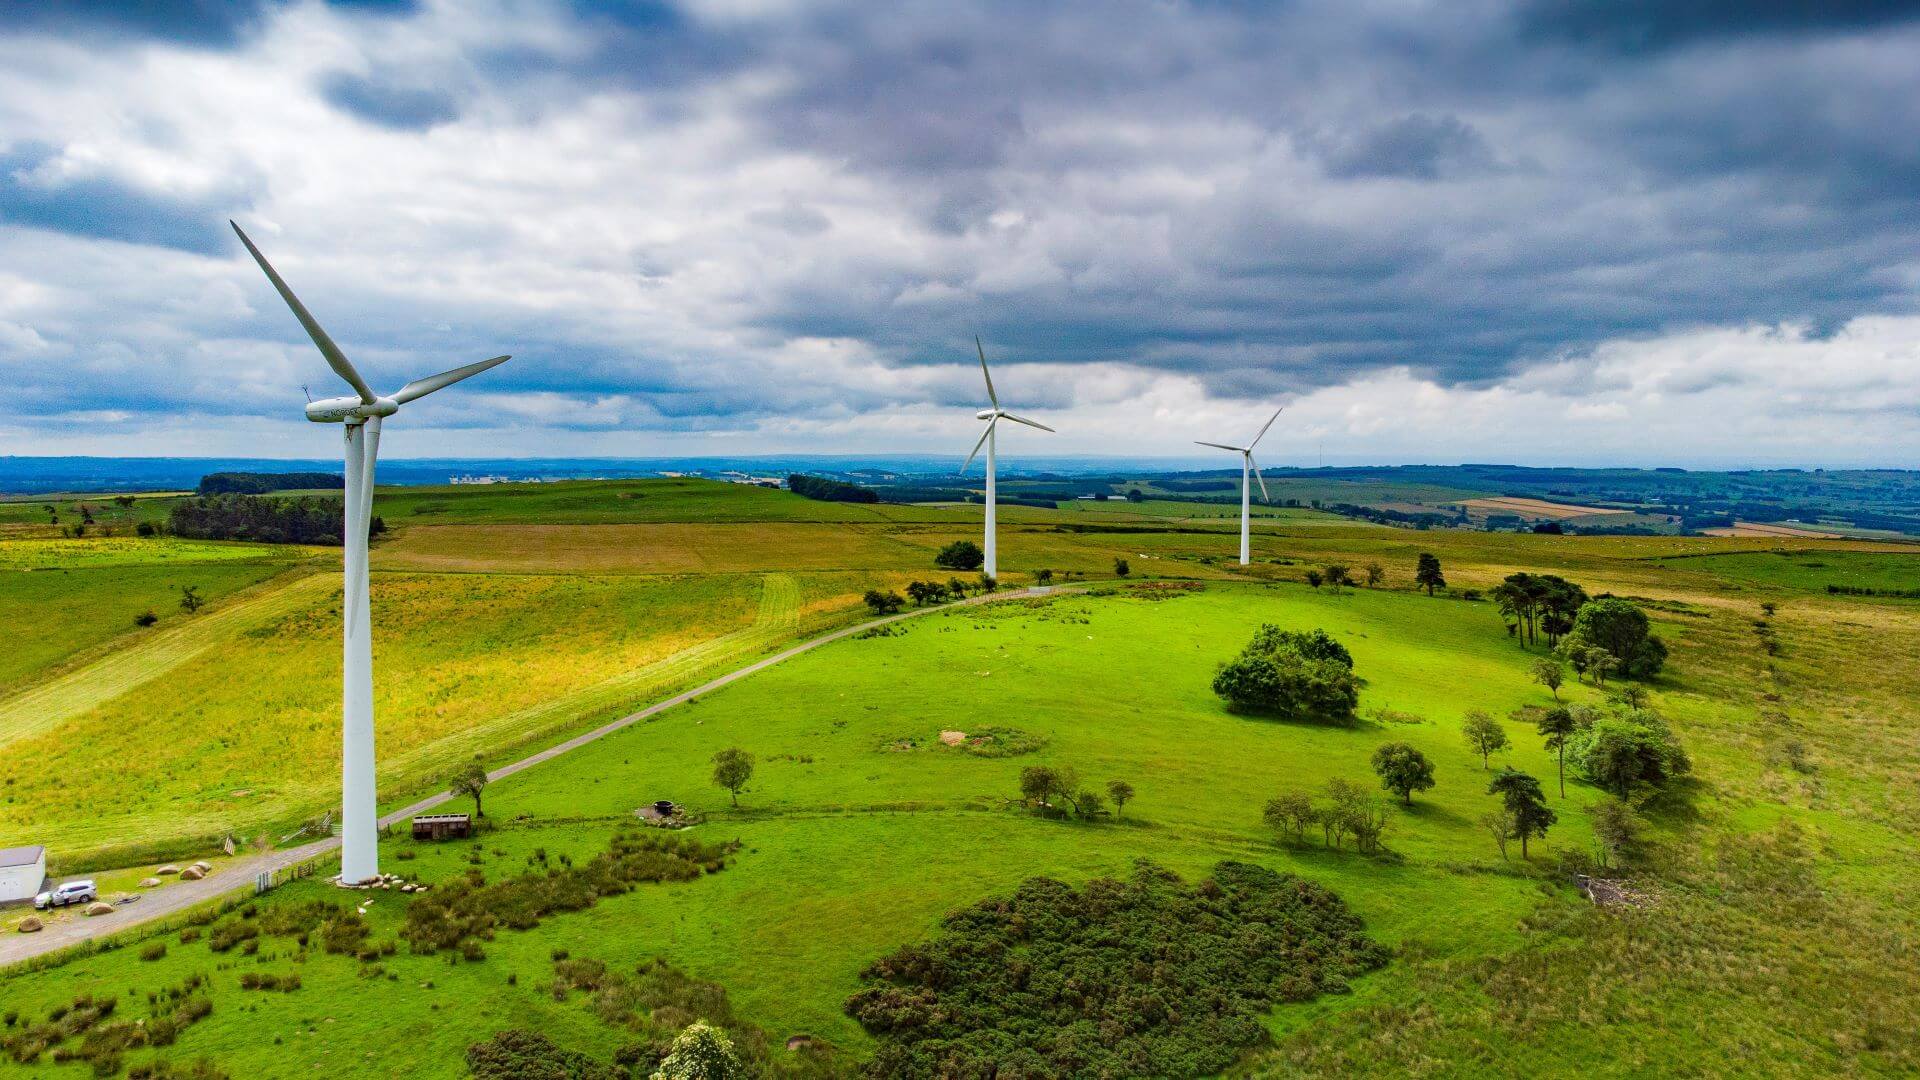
(22, 871)
(442, 827)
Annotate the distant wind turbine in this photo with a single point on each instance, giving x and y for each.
(992, 416)
(1247, 465)
(361, 413)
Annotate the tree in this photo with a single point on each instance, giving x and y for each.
(1313, 644)
(1485, 735)
(988, 584)
(1525, 805)
(1291, 812)
(884, 603)
(1289, 685)
(1548, 673)
(190, 598)
(1337, 576)
(1617, 752)
(1040, 783)
(1616, 829)
(124, 502)
(923, 593)
(1314, 579)
(1623, 632)
(469, 780)
(1633, 697)
(1043, 577)
(1375, 574)
(1768, 607)
(1121, 793)
(146, 528)
(961, 555)
(957, 588)
(1087, 802)
(1427, 574)
(1558, 726)
(146, 618)
(701, 1052)
(732, 768)
(1403, 770)
(1500, 825)
(1120, 568)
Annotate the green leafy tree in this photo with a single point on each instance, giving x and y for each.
(1521, 798)
(1499, 824)
(1549, 673)
(1288, 685)
(190, 598)
(1121, 793)
(1403, 770)
(1314, 578)
(988, 584)
(1616, 829)
(1088, 802)
(468, 780)
(1558, 726)
(732, 768)
(1427, 573)
(1039, 784)
(883, 603)
(1485, 735)
(1043, 577)
(961, 555)
(1375, 574)
(1120, 568)
(1623, 631)
(1291, 813)
(701, 1052)
(1620, 751)
(1337, 575)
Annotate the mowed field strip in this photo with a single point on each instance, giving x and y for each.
(1536, 508)
(50, 704)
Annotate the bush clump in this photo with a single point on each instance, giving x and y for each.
(1143, 977)
(461, 910)
(1292, 675)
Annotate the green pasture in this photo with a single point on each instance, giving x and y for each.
(1813, 570)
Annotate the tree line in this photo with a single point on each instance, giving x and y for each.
(253, 483)
(301, 519)
(825, 490)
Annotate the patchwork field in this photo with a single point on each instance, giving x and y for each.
(1779, 885)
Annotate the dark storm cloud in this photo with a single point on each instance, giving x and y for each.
(218, 23)
(103, 207)
(1636, 25)
(388, 105)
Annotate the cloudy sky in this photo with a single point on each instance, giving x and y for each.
(1637, 232)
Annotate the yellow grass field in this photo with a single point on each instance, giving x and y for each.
(1751, 528)
(1534, 508)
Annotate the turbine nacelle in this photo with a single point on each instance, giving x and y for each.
(986, 414)
(341, 409)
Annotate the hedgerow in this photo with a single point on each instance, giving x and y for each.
(1142, 977)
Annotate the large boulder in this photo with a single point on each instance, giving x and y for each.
(168, 869)
(99, 907)
(203, 866)
(192, 873)
(30, 925)
(148, 883)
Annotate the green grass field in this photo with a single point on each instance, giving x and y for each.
(1756, 950)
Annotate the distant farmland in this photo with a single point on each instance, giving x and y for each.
(1534, 508)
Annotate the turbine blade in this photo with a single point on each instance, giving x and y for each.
(1264, 497)
(335, 358)
(1221, 446)
(1263, 429)
(1029, 423)
(420, 388)
(978, 445)
(991, 396)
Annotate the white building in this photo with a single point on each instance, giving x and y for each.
(22, 870)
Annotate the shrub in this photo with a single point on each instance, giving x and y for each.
(153, 950)
(1047, 982)
(961, 555)
(1292, 675)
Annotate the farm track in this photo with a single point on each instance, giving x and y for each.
(778, 601)
(52, 703)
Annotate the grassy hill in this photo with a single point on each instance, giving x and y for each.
(1776, 885)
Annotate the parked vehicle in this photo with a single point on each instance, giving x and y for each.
(73, 892)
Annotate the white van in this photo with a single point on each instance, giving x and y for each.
(73, 892)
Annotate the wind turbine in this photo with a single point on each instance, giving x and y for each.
(992, 416)
(1247, 465)
(361, 414)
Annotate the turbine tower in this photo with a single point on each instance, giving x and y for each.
(1247, 465)
(361, 413)
(992, 416)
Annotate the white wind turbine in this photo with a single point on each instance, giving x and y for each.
(361, 413)
(992, 416)
(1247, 465)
